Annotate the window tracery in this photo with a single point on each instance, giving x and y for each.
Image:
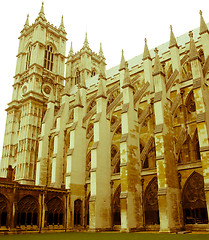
(49, 58)
(77, 77)
(55, 212)
(194, 202)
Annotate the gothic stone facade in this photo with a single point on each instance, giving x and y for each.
(125, 148)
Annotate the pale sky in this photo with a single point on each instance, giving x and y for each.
(118, 24)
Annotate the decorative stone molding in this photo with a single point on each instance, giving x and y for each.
(158, 128)
(95, 145)
(124, 137)
(158, 96)
(123, 195)
(162, 191)
(125, 108)
(196, 83)
(201, 117)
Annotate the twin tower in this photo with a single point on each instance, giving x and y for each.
(130, 144)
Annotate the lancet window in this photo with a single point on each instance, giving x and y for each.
(77, 77)
(48, 58)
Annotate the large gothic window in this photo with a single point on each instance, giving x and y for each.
(3, 210)
(27, 211)
(48, 58)
(28, 58)
(151, 203)
(55, 212)
(194, 203)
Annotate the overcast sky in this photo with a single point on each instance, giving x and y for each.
(118, 24)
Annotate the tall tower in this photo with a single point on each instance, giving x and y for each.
(84, 64)
(39, 70)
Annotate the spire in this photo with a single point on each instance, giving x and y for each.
(78, 102)
(41, 13)
(126, 81)
(157, 66)
(27, 22)
(193, 51)
(101, 54)
(62, 27)
(203, 26)
(71, 50)
(86, 44)
(122, 62)
(173, 42)
(146, 51)
(51, 96)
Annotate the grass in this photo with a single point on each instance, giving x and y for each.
(104, 236)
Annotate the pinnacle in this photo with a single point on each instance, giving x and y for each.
(122, 62)
(126, 81)
(157, 66)
(41, 13)
(62, 27)
(71, 50)
(203, 26)
(193, 51)
(86, 44)
(146, 54)
(101, 51)
(173, 42)
(27, 22)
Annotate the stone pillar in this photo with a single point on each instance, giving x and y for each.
(201, 96)
(100, 199)
(76, 156)
(57, 178)
(130, 170)
(169, 197)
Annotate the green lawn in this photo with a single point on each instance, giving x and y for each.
(104, 236)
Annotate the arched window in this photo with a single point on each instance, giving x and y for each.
(77, 77)
(116, 206)
(3, 210)
(77, 212)
(55, 212)
(194, 202)
(27, 213)
(28, 58)
(48, 58)
(151, 203)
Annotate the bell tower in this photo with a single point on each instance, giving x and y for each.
(39, 71)
(84, 64)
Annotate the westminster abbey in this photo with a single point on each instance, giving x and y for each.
(90, 149)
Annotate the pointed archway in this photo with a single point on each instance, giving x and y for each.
(151, 203)
(77, 212)
(116, 217)
(194, 203)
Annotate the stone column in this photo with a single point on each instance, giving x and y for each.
(76, 156)
(100, 199)
(170, 211)
(130, 170)
(201, 97)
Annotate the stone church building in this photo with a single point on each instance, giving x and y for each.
(87, 148)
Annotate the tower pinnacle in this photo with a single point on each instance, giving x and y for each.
(62, 27)
(193, 51)
(203, 26)
(41, 13)
(27, 22)
(101, 54)
(172, 42)
(146, 54)
(157, 66)
(86, 44)
(122, 62)
(71, 50)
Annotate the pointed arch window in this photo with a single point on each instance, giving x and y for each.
(93, 73)
(49, 58)
(28, 58)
